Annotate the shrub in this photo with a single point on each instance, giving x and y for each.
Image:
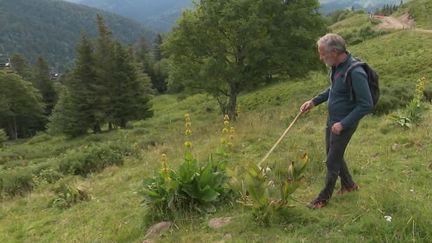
(16, 183)
(358, 35)
(6, 156)
(414, 110)
(92, 158)
(393, 98)
(191, 187)
(3, 137)
(39, 137)
(140, 131)
(428, 94)
(93, 138)
(268, 190)
(67, 196)
(47, 176)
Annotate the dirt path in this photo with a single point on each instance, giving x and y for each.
(402, 22)
(389, 22)
(423, 30)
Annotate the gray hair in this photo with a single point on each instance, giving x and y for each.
(332, 42)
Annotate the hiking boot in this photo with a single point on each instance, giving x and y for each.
(317, 204)
(345, 190)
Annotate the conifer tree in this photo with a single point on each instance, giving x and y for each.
(42, 81)
(131, 93)
(103, 87)
(77, 111)
(157, 52)
(142, 50)
(145, 60)
(104, 68)
(20, 65)
(158, 75)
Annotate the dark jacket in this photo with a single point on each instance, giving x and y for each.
(342, 107)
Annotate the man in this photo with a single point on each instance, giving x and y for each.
(344, 113)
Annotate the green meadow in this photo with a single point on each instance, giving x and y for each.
(392, 164)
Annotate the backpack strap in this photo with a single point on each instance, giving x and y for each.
(353, 65)
(347, 75)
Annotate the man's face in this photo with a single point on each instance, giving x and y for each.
(328, 58)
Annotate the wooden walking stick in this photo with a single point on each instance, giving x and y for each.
(280, 139)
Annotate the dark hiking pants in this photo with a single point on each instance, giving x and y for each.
(336, 165)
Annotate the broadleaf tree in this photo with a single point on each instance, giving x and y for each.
(225, 47)
(21, 106)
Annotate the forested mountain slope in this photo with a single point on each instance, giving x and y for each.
(51, 28)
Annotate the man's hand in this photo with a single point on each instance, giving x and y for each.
(307, 106)
(337, 128)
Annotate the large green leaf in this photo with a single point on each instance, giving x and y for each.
(300, 165)
(208, 194)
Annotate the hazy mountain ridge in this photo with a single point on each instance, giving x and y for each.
(328, 6)
(162, 14)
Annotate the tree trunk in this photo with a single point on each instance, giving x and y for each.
(232, 102)
(96, 127)
(110, 126)
(123, 123)
(222, 101)
(12, 129)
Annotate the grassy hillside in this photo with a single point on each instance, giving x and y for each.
(357, 28)
(355, 20)
(392, 166)
(400, 57)
(420, 10)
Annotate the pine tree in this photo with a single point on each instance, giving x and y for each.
(103, 87)
(157, 74)
(77, 109)
(145, 60)
(131, 93)
(142, 50)
(42, 81)
(157, 52)
(104, 67)
(66, 117)
(20, 65)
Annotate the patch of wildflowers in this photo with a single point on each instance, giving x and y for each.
(188, 131)
(165, 168)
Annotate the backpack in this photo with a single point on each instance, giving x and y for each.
(373, 79)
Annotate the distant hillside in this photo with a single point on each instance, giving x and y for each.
(160, 15)
(328, 6)
(51, 28)
(421, 11)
